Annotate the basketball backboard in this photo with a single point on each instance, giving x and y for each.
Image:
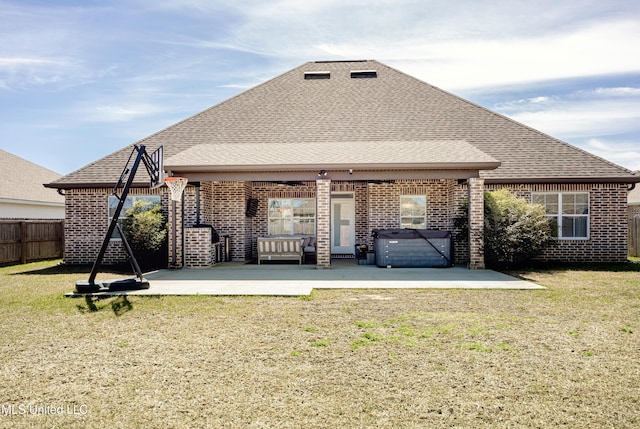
(155, 167)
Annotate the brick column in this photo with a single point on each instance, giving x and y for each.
(323, 223)
(476, 223)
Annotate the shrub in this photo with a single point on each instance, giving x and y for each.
(146, 232)
(514, 230)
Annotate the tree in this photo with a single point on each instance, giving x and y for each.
(146, 232)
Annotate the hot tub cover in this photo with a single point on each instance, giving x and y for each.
(410, 233)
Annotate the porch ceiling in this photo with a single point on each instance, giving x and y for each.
(362, 160)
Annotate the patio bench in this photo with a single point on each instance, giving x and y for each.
(280, 248)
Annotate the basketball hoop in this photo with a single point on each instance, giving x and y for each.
(176, 185)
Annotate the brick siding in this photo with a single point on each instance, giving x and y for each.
(323, 223)
(223, 205)
(87, 221)
(199, 252)
(608, 222)
(377, 205)
(476, 223)
(263, 191)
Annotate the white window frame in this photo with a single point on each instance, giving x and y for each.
(559, 216)
(293, 218)
(112, 203)
(411, 216)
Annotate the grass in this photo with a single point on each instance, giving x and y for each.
(565, 356)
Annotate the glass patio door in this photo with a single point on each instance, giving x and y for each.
(342, 224)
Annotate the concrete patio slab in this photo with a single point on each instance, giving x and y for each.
(230, 279)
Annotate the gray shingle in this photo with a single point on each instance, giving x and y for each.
(22, 180)
(392, 107)
(288, 155)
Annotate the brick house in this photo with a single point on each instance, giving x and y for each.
(337, 149)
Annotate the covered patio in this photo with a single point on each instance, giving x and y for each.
(336, 193)
(236, 278)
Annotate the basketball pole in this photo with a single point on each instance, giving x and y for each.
(139, 283)
(174, 250)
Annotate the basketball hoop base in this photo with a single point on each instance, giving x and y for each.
(84, 286)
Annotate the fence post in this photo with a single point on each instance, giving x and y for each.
(634, 236)
(62, 242)
(23, 242)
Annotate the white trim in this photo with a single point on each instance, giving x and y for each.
(413, 217)
(349, 199)
(559, 215)
(292, 199)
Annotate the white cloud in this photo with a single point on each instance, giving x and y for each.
(16, 62)
(621, 152)
(525, 104)
(149, 60)
(583, 119)
(614, 92)
(44, 46)
(118, 112)
(454, 45)
(605, 126)
(596, 50)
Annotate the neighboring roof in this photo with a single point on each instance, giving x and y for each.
(21, 180)
(385, 106)
(633, 198)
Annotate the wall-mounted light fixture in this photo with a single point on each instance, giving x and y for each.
(322, 173)
(350, 171)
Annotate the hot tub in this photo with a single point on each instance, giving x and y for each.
(412, 248)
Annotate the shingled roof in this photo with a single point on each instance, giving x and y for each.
(352, 105)
(22, 180)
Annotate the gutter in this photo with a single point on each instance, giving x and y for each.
(632, 180)
(486, 165)
(90, 185)
(343, 174)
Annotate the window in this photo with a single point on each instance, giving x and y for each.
(289, 216)
(413, 211)
(128, 203)
(569, 213)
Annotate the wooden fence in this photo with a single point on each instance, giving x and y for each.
(24, 241)
(634, 236)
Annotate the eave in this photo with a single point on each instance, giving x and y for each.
(562, 180)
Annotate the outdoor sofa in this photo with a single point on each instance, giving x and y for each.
(292, 248)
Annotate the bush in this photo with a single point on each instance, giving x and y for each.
(146, 232)
(514, 230)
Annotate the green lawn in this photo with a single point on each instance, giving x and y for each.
(565, 356)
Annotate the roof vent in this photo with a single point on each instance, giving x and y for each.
(363, 74)
(317, 75)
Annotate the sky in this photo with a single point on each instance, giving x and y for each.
(82, 79)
